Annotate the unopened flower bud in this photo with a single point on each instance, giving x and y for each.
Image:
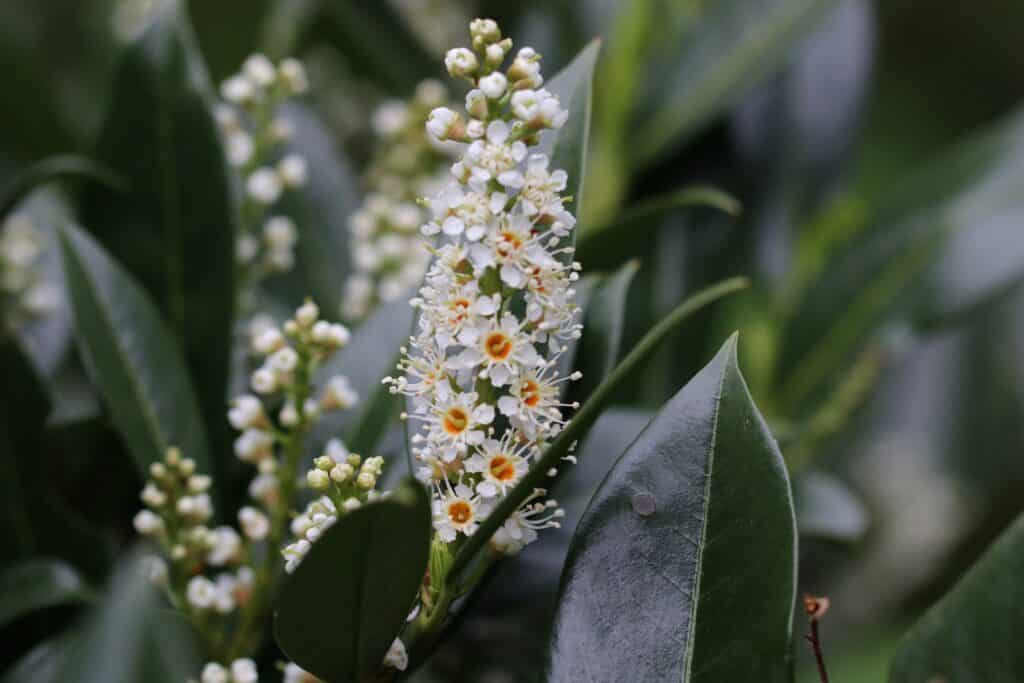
(318, 480)
(461, 62)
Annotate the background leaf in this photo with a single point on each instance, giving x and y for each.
(339, 611)
(133, 357)
(967, 636)
(827, 509)
(601, 342)
(174, 231)
(687, 553)
(723, 47)
(37, 584)
(567, 146)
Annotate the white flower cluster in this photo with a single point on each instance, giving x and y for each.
(24, 290)
(346, 482)
(241, 671)
(497, 307)
(290, 356)
(252, 132)
(387, 252)
(177, 509)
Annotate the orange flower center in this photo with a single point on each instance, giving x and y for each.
(455, 421)
(460, 511)
(502, 468)
(510, 242)
(530, 393)
(498, 346)
(459, 308)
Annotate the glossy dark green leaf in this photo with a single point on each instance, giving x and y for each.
(375, 40)
(41, 664)
(944, 244)
(567, 146)
(35, 521)
(37, 584)
(174, 231)
(51, 169)
(131, 637)
(339, 611)
(370, 356)
(583, 420)
(320, 209)
(605, 323)
(967, 637)
(827, 509)
(684, 564)
(722, 48)
(132, 356)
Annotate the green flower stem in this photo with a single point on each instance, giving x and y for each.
(578, 426)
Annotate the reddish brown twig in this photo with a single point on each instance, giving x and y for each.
(815, 608)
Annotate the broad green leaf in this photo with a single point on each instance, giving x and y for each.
(827, 509)
(37, 584)
(131, 637)
(945, 244)
(684, 564)
(374, 40)
(42, 663)
(581, 422)
(320, 209)
(605, 323)
(132, 356)
(339, 611)
(607, 245)
(370, 356)
(174, 231)
(567, 146)
(51, 169)
(722, 49)
(968, 636)
(35, 521)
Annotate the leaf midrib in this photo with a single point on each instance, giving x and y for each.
(699, 566)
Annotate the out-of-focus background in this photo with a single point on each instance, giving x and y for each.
(821, 118)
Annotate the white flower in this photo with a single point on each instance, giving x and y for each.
(396, 657)
(244, 671)
(201, 592)
(500, 463)
(247, 412)
(238, 90)
(254, 523)
(152, 496)
(460, 62)
(293, 171)
(441, 123)
(258, 69)
(520, 529)
(493, 85)
(214, 673)
(148, 523)
(283, 361)
(338, 394)
(264, 186)
(267, 340)
(254, 445)
(294, 75)
(457, 510)
(293, 673)
(224, 546)
(239, 148)
(498, 349)
(280, 233)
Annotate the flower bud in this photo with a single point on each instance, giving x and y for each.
(461, 62)
(317, 480)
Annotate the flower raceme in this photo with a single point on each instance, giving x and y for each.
(496, 309)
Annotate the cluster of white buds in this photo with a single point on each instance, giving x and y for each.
(23, 289)
(497, 307)
(387, 252)
(240, 671)
(345, 482)
(253, 131)
(284, 400)
(177, 509)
